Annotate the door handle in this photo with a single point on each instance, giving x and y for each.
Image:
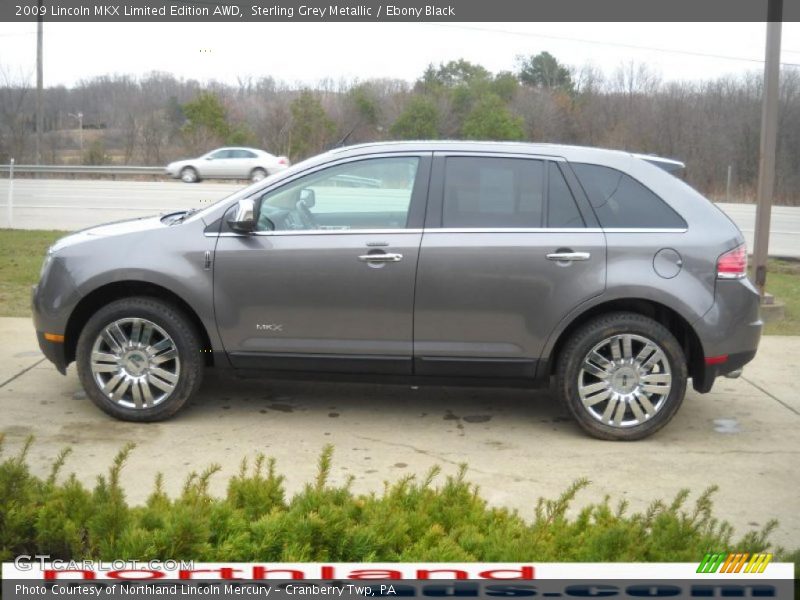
(568, 256)
(384, 258)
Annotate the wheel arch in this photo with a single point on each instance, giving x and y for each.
(678, 325)
(117, 290)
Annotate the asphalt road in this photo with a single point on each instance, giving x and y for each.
(75, 204)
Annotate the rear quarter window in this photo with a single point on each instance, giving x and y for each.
(622, 202)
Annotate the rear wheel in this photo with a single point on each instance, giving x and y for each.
(139, 359)
(622, 376)
(189, 175)
(258, 174)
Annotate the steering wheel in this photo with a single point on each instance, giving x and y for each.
(309, 222)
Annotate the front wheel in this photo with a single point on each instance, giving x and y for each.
(139, 359)
(189, 175)
(622, 376)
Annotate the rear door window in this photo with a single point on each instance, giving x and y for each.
(493, 192)
(622, 202)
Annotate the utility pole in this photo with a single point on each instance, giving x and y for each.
(728, 184)
(769, 134)
(39, 81)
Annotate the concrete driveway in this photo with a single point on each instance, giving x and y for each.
(519, 445)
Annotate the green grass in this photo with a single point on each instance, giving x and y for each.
(783, 282)
(22, 253)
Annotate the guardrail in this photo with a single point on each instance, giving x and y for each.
(112, 170)
(109, 170)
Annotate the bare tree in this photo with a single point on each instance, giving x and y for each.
(16, 118)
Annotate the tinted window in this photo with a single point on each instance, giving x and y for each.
(242, 154)
(367, 194)
(561, 208)
(493, 192)
(621, 201)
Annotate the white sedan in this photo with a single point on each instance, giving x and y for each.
(228, 163)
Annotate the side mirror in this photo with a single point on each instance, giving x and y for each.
(243, 217)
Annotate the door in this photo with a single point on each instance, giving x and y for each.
(241, 163)
(507, 253)
(216, 164)
(326, 283)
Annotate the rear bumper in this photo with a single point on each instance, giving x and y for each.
(731, 328)
(704, 380)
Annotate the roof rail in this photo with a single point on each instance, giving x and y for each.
(670, 165)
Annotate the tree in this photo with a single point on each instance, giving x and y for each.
(311, 126)
(505, 85)
(452, 74)
(365, 103)
(208, 125)
(491, 120)
(543, 70)
(419, 121)
(15, 116)
(206, 122)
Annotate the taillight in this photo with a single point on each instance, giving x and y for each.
(733, 264)
(282, 160)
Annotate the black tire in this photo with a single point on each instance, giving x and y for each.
(258, 174)
(570, 372)
(185, 342)
(189, 175)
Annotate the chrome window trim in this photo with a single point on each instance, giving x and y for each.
(486, 154)
(449, 230)
(552, 230)
(315, 232)
(514, 230)
(646, 229)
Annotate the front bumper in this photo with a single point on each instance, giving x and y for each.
(54, 352)
(53, 300)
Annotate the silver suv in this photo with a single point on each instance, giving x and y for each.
(454, 263)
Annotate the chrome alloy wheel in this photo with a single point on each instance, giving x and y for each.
(188, 175)
(135, 363)
(624, 380)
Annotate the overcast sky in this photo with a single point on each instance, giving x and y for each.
(307, 52)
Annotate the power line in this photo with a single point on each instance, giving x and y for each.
(551, 37)
(602, 43)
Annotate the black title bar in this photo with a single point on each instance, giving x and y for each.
(397, 10)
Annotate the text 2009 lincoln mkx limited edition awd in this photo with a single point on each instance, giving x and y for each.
(494, 264)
